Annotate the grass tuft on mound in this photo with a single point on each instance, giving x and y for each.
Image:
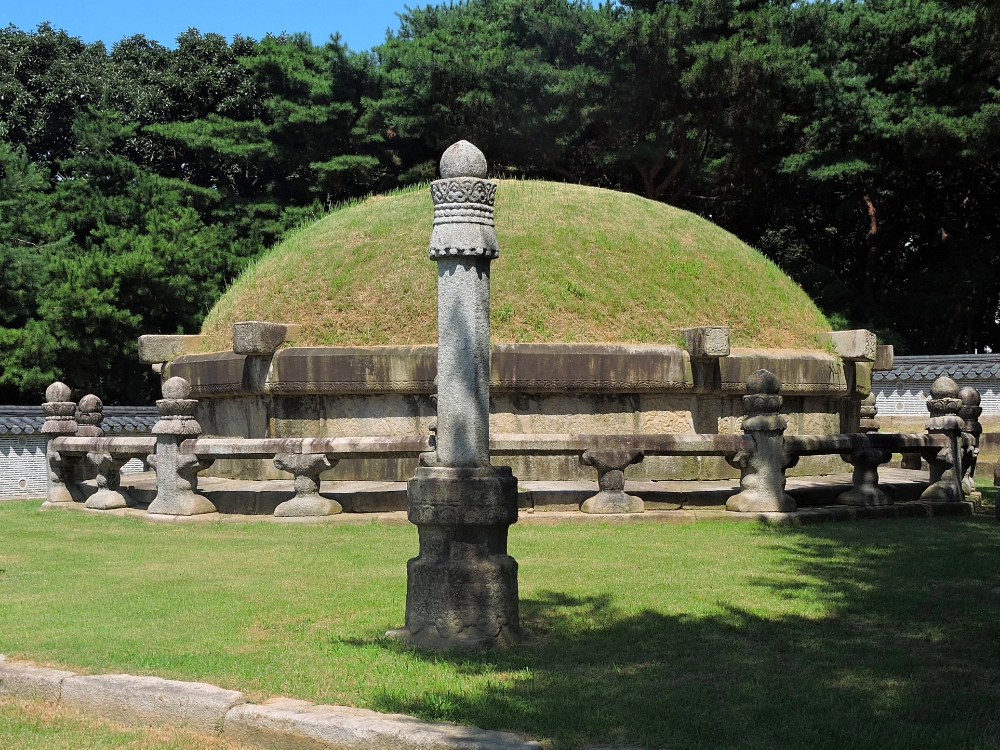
(577, 264)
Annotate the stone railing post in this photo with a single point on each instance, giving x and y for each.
(90, 415)
(177, 473)
(762, 470)
(462, 588)
(869, 414)
(59, 422)
(307, 501)
(611, 467)
(946, 464)
(972, 430)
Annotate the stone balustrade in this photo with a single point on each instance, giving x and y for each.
(762, 471)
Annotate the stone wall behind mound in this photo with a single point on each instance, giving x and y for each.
(535, 388)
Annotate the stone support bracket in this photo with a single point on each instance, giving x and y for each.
(611, 467)
(307, 502)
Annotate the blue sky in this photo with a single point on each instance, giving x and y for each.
(361, 24)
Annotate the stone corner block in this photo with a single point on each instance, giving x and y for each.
(152, 701)
(29, 681)
(155, 348)
(258, 338)
(854, 346)
(885, 357)
(290, 723)
(707, 342)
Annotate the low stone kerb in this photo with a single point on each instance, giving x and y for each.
(151, 700)
(301, 725)
(29, 681)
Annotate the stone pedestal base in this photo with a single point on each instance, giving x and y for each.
(181, 504)
(462, 588)
(611, 467)
(109, 500)
(305, 506)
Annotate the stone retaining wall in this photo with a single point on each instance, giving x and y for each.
(535, 388)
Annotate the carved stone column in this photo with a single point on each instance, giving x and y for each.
(762, 470)
(59, 422)
(945, 464)
(971, 431)
(109, 495)
(611, 467)
(462, 588)
(307, 501)
(177, 473)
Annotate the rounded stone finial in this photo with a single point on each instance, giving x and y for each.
(763, 381)
(970, 396)
(463, 159)
(90, 404)
(57, 392)
(944, 387)
(176, 388)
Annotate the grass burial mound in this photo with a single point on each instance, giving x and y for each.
(577, 264)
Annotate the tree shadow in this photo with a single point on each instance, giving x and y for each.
(900, 650)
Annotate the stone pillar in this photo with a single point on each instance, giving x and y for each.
(762, 470)
(59, 422)
(307, 501)
(945, 464)
(611, 467)
(90, 415)
(177, 473)
(462, 588)
(971, 431)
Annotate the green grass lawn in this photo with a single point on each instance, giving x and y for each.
(711, 635)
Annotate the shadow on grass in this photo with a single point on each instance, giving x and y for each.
(896, 647)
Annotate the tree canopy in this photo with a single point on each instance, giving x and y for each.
(857, 144)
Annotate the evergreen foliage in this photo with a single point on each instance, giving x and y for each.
(857, 144)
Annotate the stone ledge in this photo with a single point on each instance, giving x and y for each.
(258, 338)
(154, 348)
(128, 699)
(853, 346)
(287, 723)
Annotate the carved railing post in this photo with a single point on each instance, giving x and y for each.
(109, 495)
(462, 588)
(307, 501)
(762, 471)
(972, 430)
(177, 473)
(945, 464)
(869, 415)
(865, 459)
(611, 467)
(59, 422)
